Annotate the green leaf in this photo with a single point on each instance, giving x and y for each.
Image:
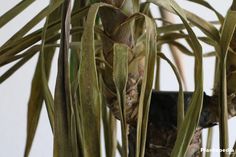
(62, 101)
(40, 79)
(169, 28)
(88, 87)
(22, 43)
(182, 48)
(207, 5)
(110, 131)
(147, 83)
(6, 59)
(46, 91)
(226, 36)
(191, 119)
(35, 103)
(180, 104)
(207, 28)
(45, 12)
(209, 141)
(34, 109)
(120, 77)
(19, 64)
(13, 12)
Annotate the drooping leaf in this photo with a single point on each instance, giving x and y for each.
(227, 33)
(147, 82)
(120, 77)
(190, 123)
(13, 12)
(19, 64)
(180, 104)
(174, 51)
(207, 5)
(88, 87)
(48, 10)
(38, 94)
(207, 28)
(62, 100)
(6, 59)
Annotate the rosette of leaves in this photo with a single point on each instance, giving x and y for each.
(108, 62)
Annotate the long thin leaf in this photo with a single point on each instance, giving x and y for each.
(23, 43)
(34, 109)
(88, 87)
(180, 104)
(62, 102)
(47, 94)
(19, 64)
(5, 59)
(207, 5)
(110, 131)
(120, 77)
(227, 33)
(13, 12)
(45, 12)
(207, 28)
(190, 123)
(174, 50)
(37, 92)
(209, 141)
(147, 82)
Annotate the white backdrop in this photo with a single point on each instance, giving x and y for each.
(14, 92)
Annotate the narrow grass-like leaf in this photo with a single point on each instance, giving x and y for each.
(147, 82)
(46, 91)
(182, 48)
(206, 27)
(45, 12)
(120, 77)
(208, 41)
(180, 104)
(23, 43)
(76, 140)
(37, 92)
(207, 5)
(170, 28)
(13, 12)
(35, 102)
(171, 37)
(227, 33)
(190, 123)
(34, 108)
(62, 102)
(5, 59)
(174, 50)
(209, 141)
(89, 89)
(20, 45)
(110, 131)
(19, 64)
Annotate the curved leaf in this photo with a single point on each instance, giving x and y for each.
(13, 12)
(120, 77)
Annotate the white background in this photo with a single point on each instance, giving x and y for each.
(15, 91)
